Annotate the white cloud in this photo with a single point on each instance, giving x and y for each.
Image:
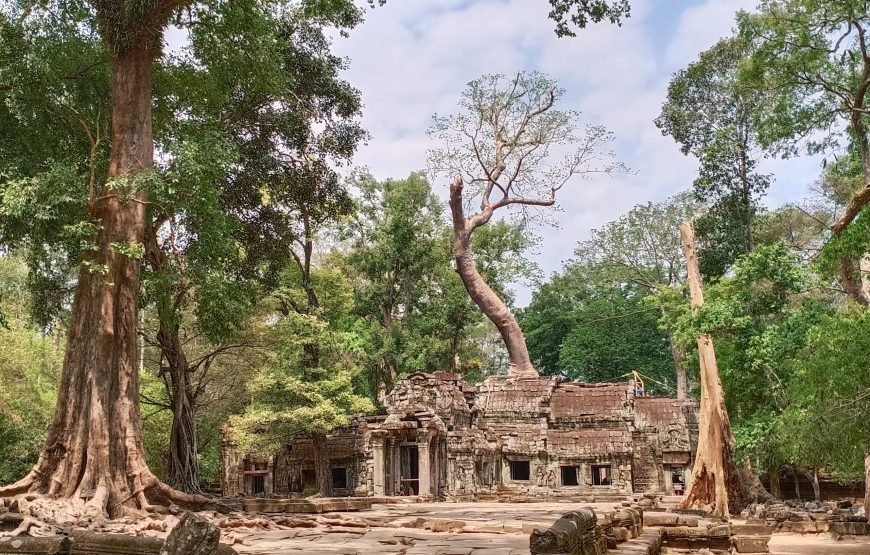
(412, 59)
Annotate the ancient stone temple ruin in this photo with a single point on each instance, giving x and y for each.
(535, 437)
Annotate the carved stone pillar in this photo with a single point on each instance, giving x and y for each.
(379, 470)
(423, 439)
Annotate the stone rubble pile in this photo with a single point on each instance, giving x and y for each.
(840, 517)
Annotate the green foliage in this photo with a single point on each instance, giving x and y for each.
(827, 420)
(291, 397)
(710, 112)
(28, 376)
(615, 333)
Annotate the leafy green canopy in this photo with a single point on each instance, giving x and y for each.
(710, 112)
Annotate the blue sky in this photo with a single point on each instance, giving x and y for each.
(412, 58)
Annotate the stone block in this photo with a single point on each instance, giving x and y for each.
(848, 528)
(659, 519)
(34, 546)
(799, 527)
(687, 521)
(750, 544)
(751, 529)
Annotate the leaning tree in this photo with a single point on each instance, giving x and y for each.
(510, 147)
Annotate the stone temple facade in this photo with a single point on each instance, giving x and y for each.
(507, 437)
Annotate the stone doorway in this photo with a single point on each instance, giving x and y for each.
(409, 469)
(408, 458)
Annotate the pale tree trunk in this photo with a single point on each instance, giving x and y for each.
(93, 448)
(679, 357)
(813, 475)
(775, 487)
(482, 294)
(867, 484)
(715, 485)
(797, 484)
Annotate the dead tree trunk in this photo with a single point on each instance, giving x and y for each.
(715, 484)
(481, 293)
(93, 448)
(679, 357)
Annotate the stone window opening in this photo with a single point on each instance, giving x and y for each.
(339, 478)
(520, 471)
(601, 475)
(570, 475)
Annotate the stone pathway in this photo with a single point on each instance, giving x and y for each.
(817, 544)
(456, 529)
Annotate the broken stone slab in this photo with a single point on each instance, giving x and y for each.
(193, 535)
(41, 546)
(750, 544)
(849, 528)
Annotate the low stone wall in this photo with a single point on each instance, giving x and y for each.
(308, 506)
(840, 518)
(691, 532)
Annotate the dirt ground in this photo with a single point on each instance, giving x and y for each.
(465, 529)
(817, 544)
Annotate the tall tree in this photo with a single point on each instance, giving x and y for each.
(715, 484)
(284, 127)
(500, 144)
(94, 444)
(710, 112)
(812, 59)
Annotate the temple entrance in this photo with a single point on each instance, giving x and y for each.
(410, 456)
(409, 469)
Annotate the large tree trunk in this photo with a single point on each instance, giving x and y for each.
(482, 294)
(813, 475)
(715, 485)
(322, 468)
(867, 484)
(183, 467)
(775, 486)
(680, 367)
(797, 484)
(93, 448)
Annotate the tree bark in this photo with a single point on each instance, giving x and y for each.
(715, 485)
(482, 294)
(775, 486)
(322, 468)
(814, 478)
(797, 484)
(183, 467)
(93, 448)
(867, 484)
(680, 368)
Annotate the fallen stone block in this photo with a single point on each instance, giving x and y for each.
(40, 546)
(752, 529)
(848, 528)
(750, 544)
(687, 521)
(659, 519)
